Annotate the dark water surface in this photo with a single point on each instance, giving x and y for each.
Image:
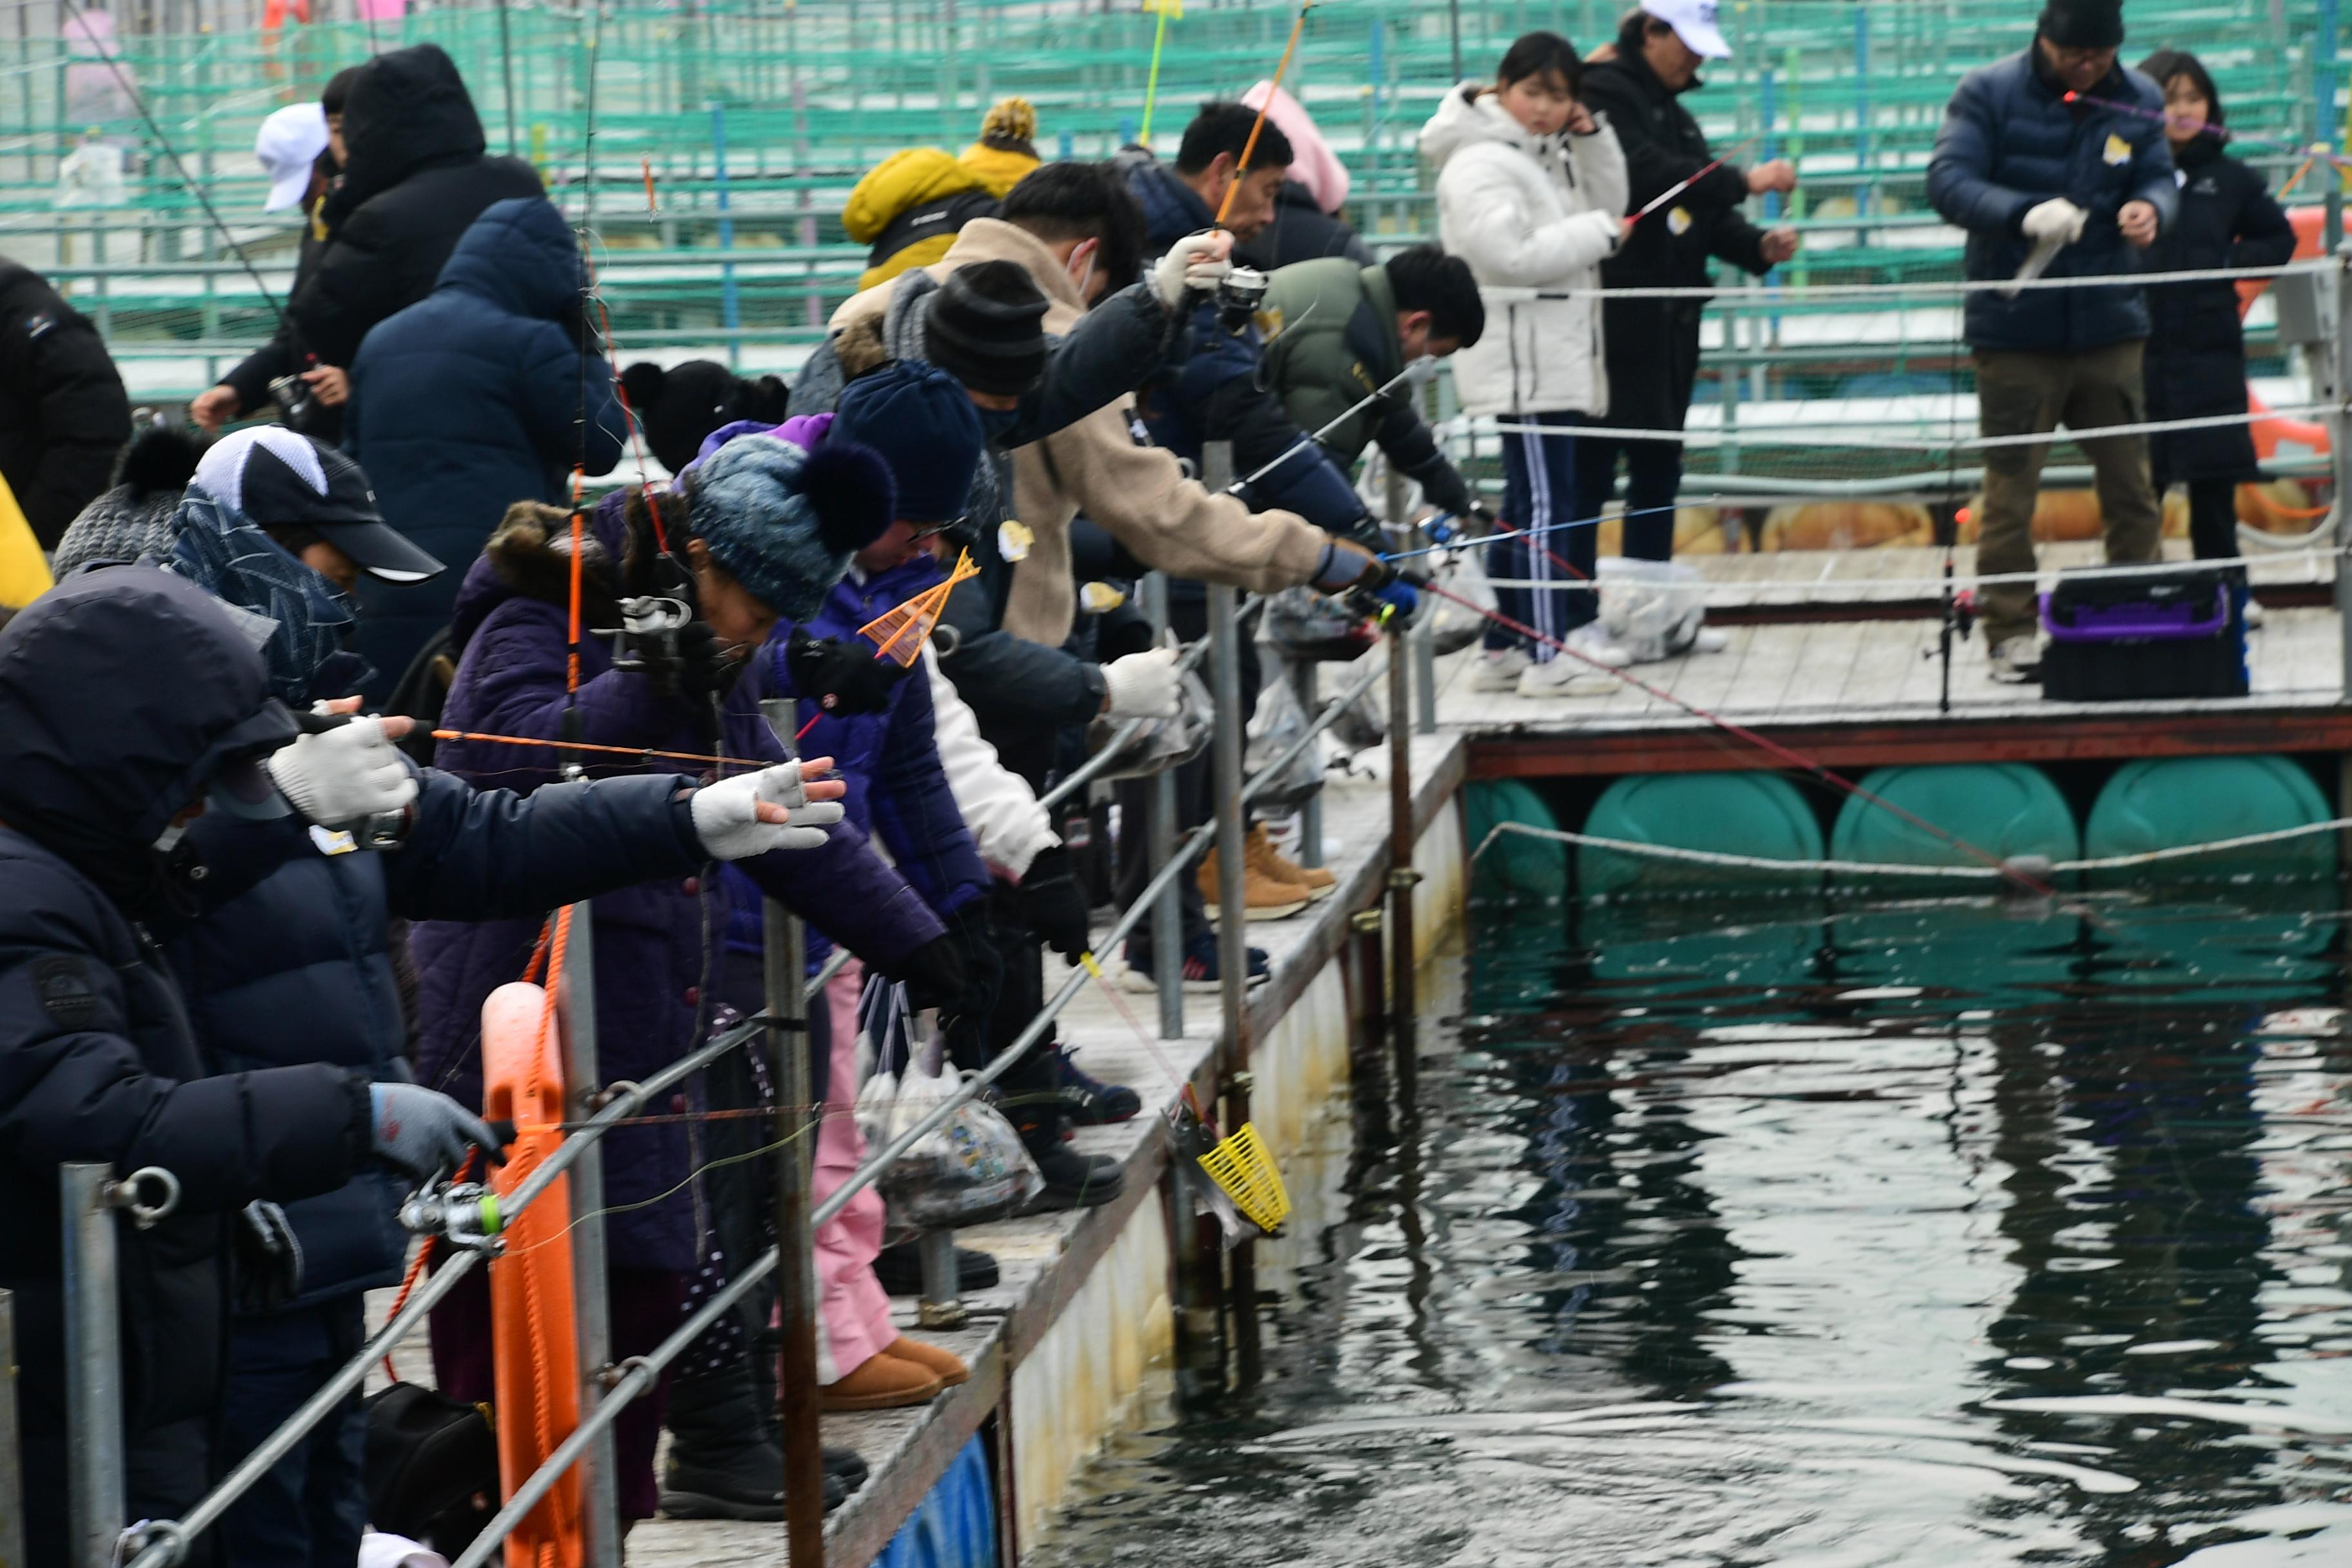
(1915, 1234)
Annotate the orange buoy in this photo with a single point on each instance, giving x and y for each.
(532, 1338)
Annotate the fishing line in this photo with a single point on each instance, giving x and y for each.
(110, 55)
(2313, 150)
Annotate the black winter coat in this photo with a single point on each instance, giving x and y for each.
(1653, 344)
(470, 400)
(104, 743)
(63, 413)
(415, 182)
(2011, 142)
(1301, 231)
(299, 968)
(2196, 364)
(284, 354)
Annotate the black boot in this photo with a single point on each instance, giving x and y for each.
(900, 1270)
(724, 1460)
(1073, 1181)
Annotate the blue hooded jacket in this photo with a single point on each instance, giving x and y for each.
(470, 400)
(2011, 142)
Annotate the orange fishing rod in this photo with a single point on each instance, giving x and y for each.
(1258, 125)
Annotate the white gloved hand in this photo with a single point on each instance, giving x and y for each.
(1142, 685)
(2057, 219)
(343, 774)
(727, 813)
(1196, 263)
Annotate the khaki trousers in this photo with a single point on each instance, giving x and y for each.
(2022, 393)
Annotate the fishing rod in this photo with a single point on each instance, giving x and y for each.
(2316, 150)
(1418, 370)
(1257, 125)
(109, 53)
(1671, 192)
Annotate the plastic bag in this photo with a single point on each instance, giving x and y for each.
(1453, 626)
(1163, 743)
(1303, 623)
(968, 1170)
(1274, 728)
(1653, 609)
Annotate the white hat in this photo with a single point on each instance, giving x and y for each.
(292, 140)
(1694, 23)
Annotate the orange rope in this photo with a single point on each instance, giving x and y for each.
(1250, 146)
(586, 746)
(2299, 171)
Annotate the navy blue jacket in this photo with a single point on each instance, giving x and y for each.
(105, 742)
(2010, 143)
(470, 400)
(300, 967)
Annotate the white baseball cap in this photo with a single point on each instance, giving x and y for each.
(292, 140)
(1694, 23)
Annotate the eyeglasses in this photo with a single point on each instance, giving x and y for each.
(954, 528)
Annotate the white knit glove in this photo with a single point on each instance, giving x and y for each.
(343, 774)
(1142, 685)
(1194, 264)
(2057, 219)
(727, 819)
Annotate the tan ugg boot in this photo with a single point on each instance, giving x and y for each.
(1264, 898)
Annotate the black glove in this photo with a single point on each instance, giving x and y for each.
(1055, 905)
(842, 677)
(936, 975)
(690, 662)
(266, 1260)
(1442, 484)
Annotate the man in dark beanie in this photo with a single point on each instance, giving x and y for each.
(987, 330)
(2054, 160)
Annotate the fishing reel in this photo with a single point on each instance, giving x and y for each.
(652, 638)
(292, 395)
(1241, 295)
(464, 1214)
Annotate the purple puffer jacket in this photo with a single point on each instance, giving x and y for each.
(651, 961)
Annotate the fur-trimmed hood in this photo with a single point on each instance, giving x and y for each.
(530, 557)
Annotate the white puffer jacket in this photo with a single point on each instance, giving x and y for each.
(1527, 213)
(1008, 826)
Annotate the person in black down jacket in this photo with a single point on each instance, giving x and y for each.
(2196, 349)
(63, 412)
(414, 181)
(1651, 346)
(2046, 177)
(472, 399)
(113, 752)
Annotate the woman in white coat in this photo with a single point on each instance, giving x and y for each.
(1529, 188)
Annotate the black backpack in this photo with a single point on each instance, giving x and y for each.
(432, 1466)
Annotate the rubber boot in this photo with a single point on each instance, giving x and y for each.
(724, 1460)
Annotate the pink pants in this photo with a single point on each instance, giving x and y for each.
(853, 1313)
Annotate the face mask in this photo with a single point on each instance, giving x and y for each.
(995, 423)
(1086, 277)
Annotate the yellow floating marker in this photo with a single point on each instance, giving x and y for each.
(1241, 1165)
(900, 634)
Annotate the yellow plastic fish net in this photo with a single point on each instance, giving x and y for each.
(1241, 1165)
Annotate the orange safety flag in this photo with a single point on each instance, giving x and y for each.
(533, 1332)
(900, 634)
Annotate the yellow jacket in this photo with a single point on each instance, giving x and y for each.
(24, 572)
(914, 177)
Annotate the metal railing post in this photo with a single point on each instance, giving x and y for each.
(94, 1485)
(1304, 684)
(1401, 875)
(12, 1449)
(1233, 929)
(593, 1322)
(2338, 364)
(1167, 909)
(796, 1387)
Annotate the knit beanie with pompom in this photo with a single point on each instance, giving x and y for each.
(785, 522)
(1010, 126)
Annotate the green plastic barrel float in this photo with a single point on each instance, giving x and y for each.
(2003, 809)
(1516, 867)
(2170, 802)
(1757, 814)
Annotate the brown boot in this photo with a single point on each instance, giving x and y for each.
(941, 1364)
(1270, 862)
(882, 1382)
(1264, 898)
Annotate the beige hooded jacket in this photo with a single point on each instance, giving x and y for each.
(1136, 493)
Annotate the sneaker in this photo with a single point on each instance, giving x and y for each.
(1498, 669)
(1263, 897)
(1264, 858)
(900, 1270)
(1201, 971)
(1566, 677)
(1073, 1181)
(1093, 1102)
(1710, 640)
(2017, 660)
(1593, 641)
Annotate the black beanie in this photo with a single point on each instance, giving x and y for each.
(987, 328)
(2084, 23)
